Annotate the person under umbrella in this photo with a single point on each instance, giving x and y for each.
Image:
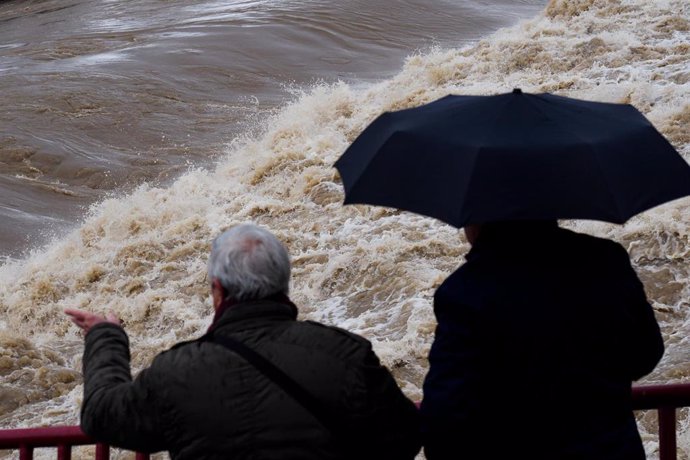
(542, 331)
(540, 335)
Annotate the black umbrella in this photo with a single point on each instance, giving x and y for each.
(514, 156)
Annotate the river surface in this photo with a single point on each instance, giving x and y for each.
(102, 96)
(133, 132)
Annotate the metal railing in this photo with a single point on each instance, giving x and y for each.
(665, 399)
(61, 437)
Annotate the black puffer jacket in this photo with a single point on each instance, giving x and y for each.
(201, 401)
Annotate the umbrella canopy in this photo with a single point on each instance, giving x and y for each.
(514, 156)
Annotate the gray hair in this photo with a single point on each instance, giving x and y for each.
(250, 263)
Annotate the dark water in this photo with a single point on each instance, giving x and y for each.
(100, 96)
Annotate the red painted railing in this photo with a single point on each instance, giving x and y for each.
(62, 437)
(663, 398)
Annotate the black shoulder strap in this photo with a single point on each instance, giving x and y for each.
(302, 396)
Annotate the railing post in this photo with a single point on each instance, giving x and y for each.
(102, 451)
(64, 452)
(667, 433)
(26, 452)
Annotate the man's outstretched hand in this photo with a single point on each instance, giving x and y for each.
(86, 320)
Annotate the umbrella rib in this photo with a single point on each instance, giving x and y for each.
(478, 149)
(469, 182)
(380, 118)
(606, 183)
(592, 150)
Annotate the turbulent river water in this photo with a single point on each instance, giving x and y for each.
(133, 132)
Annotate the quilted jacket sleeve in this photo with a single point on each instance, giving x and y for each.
(389, 421)
(117, 410)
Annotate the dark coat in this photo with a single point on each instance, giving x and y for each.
(201, 401)
(540, 335)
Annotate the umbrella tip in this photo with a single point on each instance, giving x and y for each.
(517, 91)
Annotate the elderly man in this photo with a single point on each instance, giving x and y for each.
(259, 385)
